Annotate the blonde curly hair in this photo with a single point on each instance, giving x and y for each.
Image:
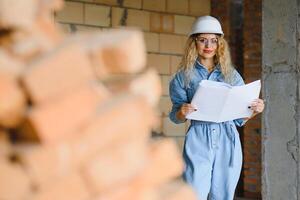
(222, 57)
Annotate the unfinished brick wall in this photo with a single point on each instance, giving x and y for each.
(76, 113)
(252, 71)
(221, 10)
(165, 24)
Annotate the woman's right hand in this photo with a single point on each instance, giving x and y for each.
(187, 109)
(184, 110)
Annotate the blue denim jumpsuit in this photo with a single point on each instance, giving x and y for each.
(212, 151)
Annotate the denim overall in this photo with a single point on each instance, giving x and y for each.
(212, 151)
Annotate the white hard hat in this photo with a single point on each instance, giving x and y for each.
(206, 24)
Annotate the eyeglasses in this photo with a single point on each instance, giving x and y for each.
(205, 41)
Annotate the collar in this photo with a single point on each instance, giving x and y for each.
(200, 66)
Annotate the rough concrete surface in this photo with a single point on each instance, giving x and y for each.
(280, 141)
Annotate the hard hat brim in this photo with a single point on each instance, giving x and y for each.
(206, 32)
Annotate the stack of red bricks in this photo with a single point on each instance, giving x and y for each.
(76, 113)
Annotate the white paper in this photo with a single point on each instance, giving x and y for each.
(219, 102)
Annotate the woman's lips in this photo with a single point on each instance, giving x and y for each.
(207, 51)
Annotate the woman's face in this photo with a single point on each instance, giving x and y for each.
(206, 44)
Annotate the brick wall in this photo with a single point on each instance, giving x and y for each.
(221, 10)
(229, 14)
(165, 24)
(252, 71)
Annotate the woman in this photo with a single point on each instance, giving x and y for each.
(212, 151)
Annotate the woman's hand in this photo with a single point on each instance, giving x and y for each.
(184, 110)
(257, 106)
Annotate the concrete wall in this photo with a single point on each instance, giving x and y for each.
(165, 24)
(281, 90)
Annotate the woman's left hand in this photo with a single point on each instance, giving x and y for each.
(257, 106)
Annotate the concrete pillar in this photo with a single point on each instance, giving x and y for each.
(280, 154)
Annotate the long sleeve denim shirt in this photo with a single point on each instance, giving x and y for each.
(180, 93)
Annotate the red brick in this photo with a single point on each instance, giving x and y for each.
(252, 164)
(250, 173)
(256, 195)
(70, 187)
(28, 45)
(118, 51)
(115, 165)
(57, 72)
(58, 120)
(12, 98)
(165, 163)
(251, 145)
(108, 126)
(46, 29)
(250, 180)
(147, 85)
(12, 101)
(14, 183)
(253, 123)
(252, 153)
(20, 14)
(9, 65)
(46, 164)
(5, 146)
(129, 192)
(44, 25)
(176, 190)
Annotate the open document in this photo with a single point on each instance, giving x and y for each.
(219, 102)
